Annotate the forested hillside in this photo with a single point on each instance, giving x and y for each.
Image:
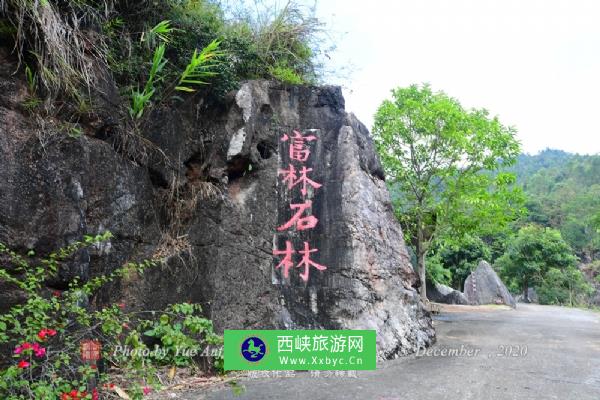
(554, 246)
(563, 192)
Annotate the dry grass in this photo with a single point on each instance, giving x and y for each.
(181, 200)
(67, 55)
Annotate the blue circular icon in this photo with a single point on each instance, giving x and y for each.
(253, 349)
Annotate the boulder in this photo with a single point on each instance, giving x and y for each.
(484, 286)
(444, 294)
(218, 228)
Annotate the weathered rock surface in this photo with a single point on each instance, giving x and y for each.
(224, 166)
(444, 294)
(484, 286)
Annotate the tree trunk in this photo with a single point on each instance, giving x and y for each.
(422, 276)
(420, 249)
(526, 292)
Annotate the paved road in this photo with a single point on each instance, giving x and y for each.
(562, 362)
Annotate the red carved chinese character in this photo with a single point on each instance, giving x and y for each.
(298, 149)
(301, 223)
(307, 262)
(292, 179)
(287, 262)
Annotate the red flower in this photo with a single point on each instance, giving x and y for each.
(46, 332)
(146, 390)
(95, 394)
(27, 346)
(75, 395)
(121, 306)
(56, 293)
(23, 364)
(40, 351)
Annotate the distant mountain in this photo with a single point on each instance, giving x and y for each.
(528, 164)
(563, 191)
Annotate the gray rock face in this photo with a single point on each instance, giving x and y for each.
(444, 294)
(229, 199)
(484, 286)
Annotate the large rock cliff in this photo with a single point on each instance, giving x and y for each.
(207, 193)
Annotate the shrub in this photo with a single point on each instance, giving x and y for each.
(436, 272)
(45, 330)
(564, 287)
(257, 41)
(286, 75)
(70, 44)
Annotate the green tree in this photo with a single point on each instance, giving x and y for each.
(563, 287)
(459, 257)
(534, 252)
(438, 159)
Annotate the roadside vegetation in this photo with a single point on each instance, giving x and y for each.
(42, 335)
(463, 194)
(67, 48)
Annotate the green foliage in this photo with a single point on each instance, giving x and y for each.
(564, 287)
(286, 75)
(31, 80)
(160, 33)
(256, 41)
(139, 100)
(563, 192)
(178, 329)
(438, 159)
(200, 68)
(596, 221)
(436, 271)
(45, 330)
(530, 257)
(284, 41)
(460, 257)
(32, 101)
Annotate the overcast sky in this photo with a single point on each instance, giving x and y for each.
(534, 63)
